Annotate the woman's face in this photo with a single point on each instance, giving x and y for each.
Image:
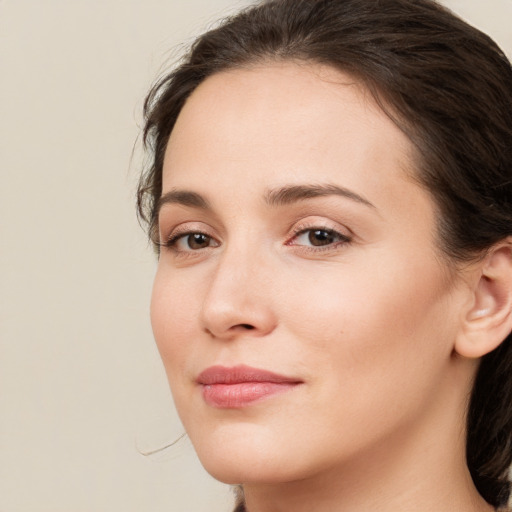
(293, 242)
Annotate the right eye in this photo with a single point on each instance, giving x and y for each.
(191, 241)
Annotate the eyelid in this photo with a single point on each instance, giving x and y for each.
(184, 229)
(178, 236)
(322, 224)
(344, 234)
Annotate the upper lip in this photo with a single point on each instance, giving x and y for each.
(239, 374)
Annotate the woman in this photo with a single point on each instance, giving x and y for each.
(330, 197)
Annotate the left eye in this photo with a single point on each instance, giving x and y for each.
(319, 237)
(192, 242)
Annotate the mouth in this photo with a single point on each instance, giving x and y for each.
(240, 386)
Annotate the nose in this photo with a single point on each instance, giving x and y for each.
(238, 301)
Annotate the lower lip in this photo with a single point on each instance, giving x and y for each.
(235, 396)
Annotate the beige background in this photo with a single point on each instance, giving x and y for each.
(82, 390)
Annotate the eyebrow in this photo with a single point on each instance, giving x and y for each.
(183, 198)
(295, 193)
(276, 197)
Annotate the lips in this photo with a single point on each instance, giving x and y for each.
(240, 386)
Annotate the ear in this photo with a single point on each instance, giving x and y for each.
(488, 319)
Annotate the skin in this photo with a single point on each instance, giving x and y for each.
(367, 323)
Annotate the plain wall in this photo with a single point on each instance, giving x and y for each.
(82, 390)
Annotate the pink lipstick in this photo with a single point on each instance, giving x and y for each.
(240, 386)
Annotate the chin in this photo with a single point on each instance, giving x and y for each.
(244, 470)
(246, 458)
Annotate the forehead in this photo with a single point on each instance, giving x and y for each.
(284, 121)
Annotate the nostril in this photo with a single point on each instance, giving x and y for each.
(247, 326)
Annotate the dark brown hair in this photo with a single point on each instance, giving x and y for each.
(446, 85)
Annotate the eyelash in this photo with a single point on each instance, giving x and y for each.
(302, 230)
(172, 241)
(342, 239)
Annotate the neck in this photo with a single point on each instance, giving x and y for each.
(422, 467)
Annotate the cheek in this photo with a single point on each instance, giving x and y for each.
(375, 347)
(174, 313)
(370, 325)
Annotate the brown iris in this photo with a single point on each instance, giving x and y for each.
(319, 237)
(198, 241)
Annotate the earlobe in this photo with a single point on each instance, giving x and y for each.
(488, 320)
